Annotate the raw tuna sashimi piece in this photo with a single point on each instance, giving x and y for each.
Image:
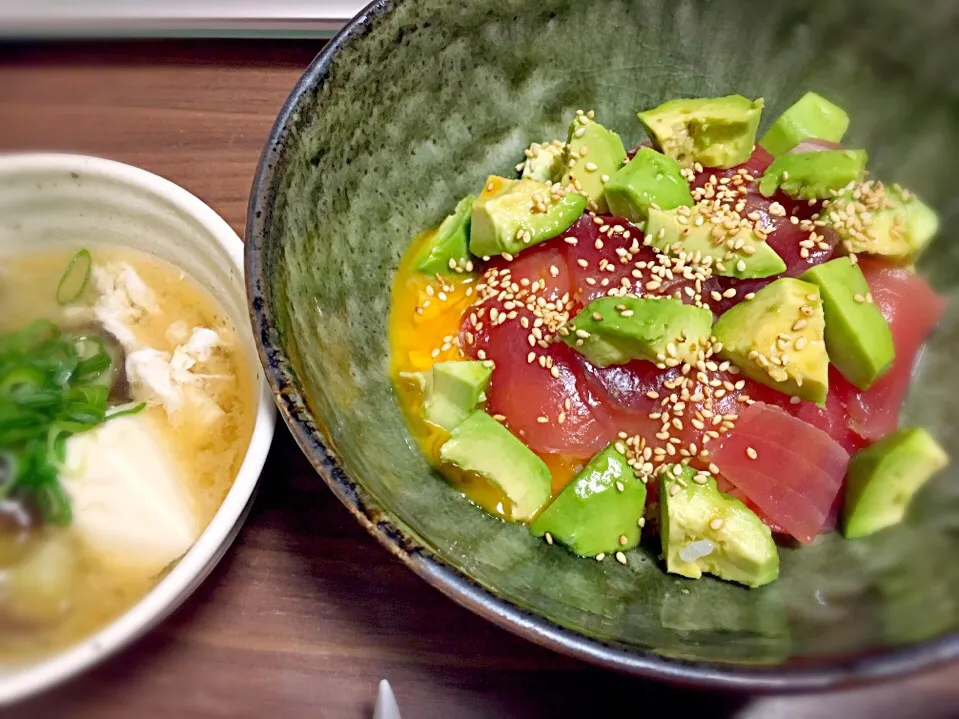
(631, 393)
(788, 468)
(784, 235)
(618, 260)
(540, 391)
(912, 309)
(831, 419)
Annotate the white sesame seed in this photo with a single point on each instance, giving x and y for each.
(751, 453)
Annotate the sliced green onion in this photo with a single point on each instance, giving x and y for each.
(91, 366)
(53, 503)
(136, 409)
(51, 387)
(8, 472)
(75, 278)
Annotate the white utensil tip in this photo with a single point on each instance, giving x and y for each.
(386, 706)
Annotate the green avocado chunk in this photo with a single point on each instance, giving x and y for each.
(704, 530)
(511, 215)
(592, 153)
(615, 330)
(650, 178)
(544, 161)
(858, 338)
(877, 219)
(882, 480)
(448, 248)
(716, 132)
(812, 116)
(595, 511)
(680, 230)
(455, 389)
(813, 175)
(482, 445)
(777, 338)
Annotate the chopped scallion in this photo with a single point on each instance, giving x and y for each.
(75, 278)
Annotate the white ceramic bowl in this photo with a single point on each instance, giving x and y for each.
(46, 199)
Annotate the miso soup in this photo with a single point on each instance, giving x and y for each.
(126, 407)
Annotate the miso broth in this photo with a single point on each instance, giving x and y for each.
(183, 389)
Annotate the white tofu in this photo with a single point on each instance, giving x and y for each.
(130, 504)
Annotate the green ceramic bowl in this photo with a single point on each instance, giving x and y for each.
(409, 109)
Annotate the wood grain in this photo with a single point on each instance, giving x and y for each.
(307, 613)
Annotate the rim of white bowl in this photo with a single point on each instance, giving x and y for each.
(202, 557)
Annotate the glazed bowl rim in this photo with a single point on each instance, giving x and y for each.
(806, 674)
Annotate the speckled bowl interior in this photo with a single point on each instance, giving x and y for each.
(410, 109)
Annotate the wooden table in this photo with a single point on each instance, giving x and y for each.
(307, 613)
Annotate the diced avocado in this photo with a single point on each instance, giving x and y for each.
(858, 338)
(777, 338)
(704, 530)
(456, 389)
(592, 153)
(482, 445)
(650, 178)
(595, 511)
(511, 215)
(882, 480)
(813, 175)
(888, 221)
(448, 248)
(615, 330)
(678, 230)
(544, 161)
(812, 116)
(716, 132)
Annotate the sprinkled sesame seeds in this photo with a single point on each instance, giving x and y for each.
(751, 453)
(716, 524)
(621, 558)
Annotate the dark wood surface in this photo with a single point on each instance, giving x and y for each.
(307, 613)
